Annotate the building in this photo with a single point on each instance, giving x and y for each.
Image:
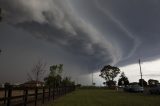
(33, 83)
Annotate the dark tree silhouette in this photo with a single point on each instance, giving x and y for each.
(7, 84)
(67, 81)
(144, 82)
(55, 75)
(104, 83)
(78, 85)
(93, 84)
(123, 80)
(37, 71)
(109, 73)
(152, 82)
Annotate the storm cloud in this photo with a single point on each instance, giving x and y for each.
(94, 32)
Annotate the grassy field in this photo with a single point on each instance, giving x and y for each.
(100, 97)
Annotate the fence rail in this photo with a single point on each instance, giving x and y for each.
(31, 95)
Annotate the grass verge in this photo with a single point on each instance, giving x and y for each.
(101, 97)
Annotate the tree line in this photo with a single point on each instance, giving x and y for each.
(109, 73)
(54, 77)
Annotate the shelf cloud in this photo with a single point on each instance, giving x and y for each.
(92, 33)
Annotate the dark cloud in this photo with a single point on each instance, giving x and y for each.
(75, 37)
(90, 33)
(88, 55)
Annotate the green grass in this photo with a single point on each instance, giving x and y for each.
(101, 97)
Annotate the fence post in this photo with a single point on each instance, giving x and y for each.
(36, 94)
(64, 90)
(59, 93)
(49, 93)
(74, 87)
(43, 95)
(9, 95)
(53, 93)
(56, 91)
(5, 95)
(25, 97)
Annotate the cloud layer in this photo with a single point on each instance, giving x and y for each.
(57, 22)
(93, 32)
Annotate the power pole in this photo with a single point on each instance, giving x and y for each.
(77, 80)
(140, 71)
(92, 78)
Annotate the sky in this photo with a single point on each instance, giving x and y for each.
(84, 35)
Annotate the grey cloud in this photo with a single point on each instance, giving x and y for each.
(93, 32)
(87, 54)
(133, 24)
(55, 21)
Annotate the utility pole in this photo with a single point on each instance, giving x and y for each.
(92, 78)
(77, 80)
(140, 71)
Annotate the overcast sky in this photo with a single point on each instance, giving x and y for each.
(84, 35)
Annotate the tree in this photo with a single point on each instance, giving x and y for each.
(37, 71)
(78, 85)
(123, 80)
(142, 81)
(55, 76)
(111, 84)
(109, 73)
(67, 81)
(152, 82)
(104, 83)
(56, 70)
(93, 83)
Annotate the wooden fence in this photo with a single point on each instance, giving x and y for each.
(20, 96)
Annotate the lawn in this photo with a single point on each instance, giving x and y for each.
(101, 97)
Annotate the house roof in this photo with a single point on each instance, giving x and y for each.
(34, 82)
